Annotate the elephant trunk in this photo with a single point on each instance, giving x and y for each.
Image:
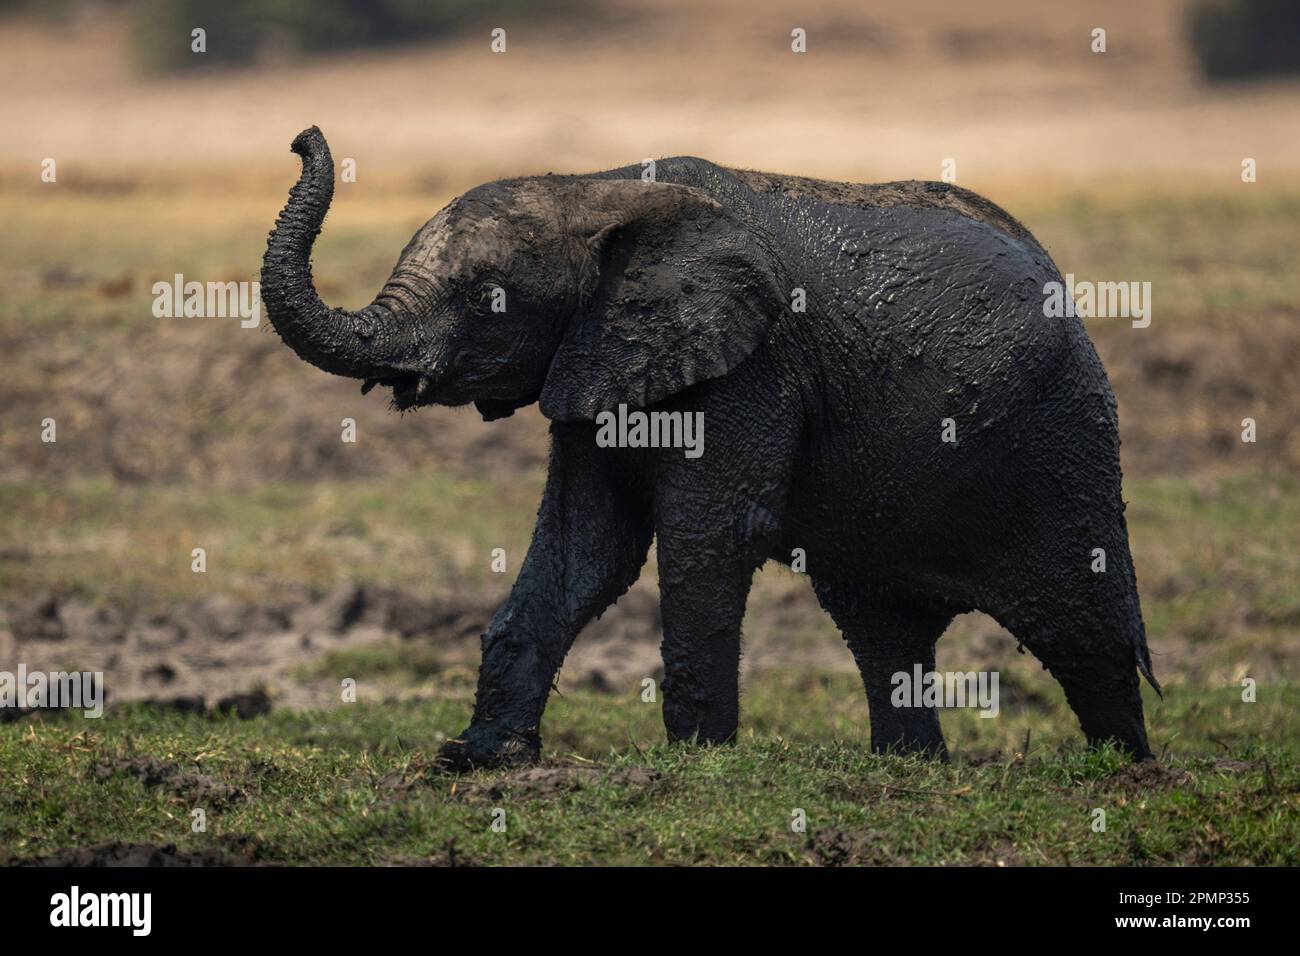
(371, 343)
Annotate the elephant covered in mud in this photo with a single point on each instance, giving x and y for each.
(880, 391)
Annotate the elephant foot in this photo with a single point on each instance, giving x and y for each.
(701, 739)
(906, 732)
(1127, 736)
(483, 749)
(929, 747)
(709, 734)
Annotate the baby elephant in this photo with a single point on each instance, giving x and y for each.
(744, 366)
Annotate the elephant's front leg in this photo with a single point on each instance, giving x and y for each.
(593, 532)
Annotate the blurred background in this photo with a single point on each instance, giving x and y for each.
(373, 558)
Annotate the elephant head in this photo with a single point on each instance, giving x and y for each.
(580, 293)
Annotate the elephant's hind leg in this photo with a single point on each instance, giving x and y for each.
(1100, 679)
(1103, 692)
(1090, 637)
(702, 614)
(717, 518)
(887, 637)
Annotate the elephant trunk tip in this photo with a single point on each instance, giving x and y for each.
(309, 143)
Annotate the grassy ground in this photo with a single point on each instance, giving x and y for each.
(353, 785)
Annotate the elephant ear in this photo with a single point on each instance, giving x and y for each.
(677, 291)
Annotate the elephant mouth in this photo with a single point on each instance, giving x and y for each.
(409, 389)
(414, 389)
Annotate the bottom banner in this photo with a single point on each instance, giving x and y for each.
(302, 905)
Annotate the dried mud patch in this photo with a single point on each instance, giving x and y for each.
(832, 846)
(527, 783)
(1229, 766)
(218, 654)
(195, 788)
(221, 655)
(1001, 852)
(547, 783)
(1148, 775)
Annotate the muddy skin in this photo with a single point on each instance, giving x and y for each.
(823, 427)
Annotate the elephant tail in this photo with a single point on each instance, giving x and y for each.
(1137, 628)
(1144, 660)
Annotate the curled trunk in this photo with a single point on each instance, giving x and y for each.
(376, 342)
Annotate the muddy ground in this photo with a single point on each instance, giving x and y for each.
(219, 652)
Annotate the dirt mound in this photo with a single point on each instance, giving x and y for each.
(532, 783)
(1001, 852)
(255, 703)
(832, 846)
(1148, 775)
(527, 783)
(542, 783)
(1229, 766)
(196, 789)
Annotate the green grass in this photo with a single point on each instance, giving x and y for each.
(354, 785)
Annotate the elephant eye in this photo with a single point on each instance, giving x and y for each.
(490, 297)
